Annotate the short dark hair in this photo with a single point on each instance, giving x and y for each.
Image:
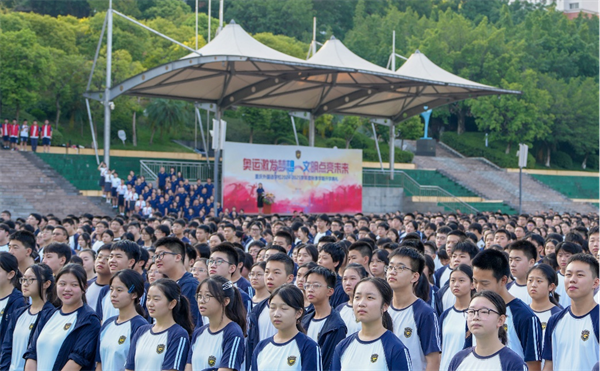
(336, 252)
(280, 249)
(417, 261)
(173, 244)
(493, 260)
(364, 248)
(593, 230)
(181, 222)
(529, 250)
(329, 276)
(227, 249)
(285, 259)
(415, 244)
(466, 246)
(60, 249)
(163, 228)
(25, 237)
(506, 233)
(569, 247)
(285, 234)
(443, 230)
(130, 248)
(476, 226)
(587, 259)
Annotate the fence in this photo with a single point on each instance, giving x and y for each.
(189, 170)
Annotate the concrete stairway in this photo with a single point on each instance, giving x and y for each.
(493, 183)
(28, 184)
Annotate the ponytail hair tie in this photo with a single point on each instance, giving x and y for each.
(131, 289)
(227, 285)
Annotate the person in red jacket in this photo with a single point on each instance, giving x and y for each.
(34, 135)
(14, 135)
(46, 136)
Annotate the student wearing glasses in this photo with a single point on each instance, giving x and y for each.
(485, 317)
(223, 262)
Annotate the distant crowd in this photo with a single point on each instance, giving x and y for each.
(15, 136)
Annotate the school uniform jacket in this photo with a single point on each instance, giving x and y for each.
(188, 285)
(334, 330)
(339, 295)
(80, 345)
(15, 301)
(253, 332)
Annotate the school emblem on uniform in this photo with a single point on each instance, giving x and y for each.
(160, 348)
(544, 325)
(298, 154)
(585, 334)
(122, 339)
(31, 327)
(407, 332)
(291, 360)
(212, 360)
(374, 358)
(67, 326)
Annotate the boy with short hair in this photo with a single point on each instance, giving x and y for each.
(223, 262)
(324, 325)
(564, 251)
(178, 228)
(415, 322)
(102, 279)
(360, 252)
(522, 256)
(523, 328)
(331, 256)
(22, 245)
(442, 275)
(572, 335)
(56, 256)
(594, 241)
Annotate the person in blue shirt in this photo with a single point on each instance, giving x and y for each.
(162, 179)
(353, 273)
(37, 284)
(290, 348)
(219, 344)
(126, 289)
(163, 345)
(324, 325)
(374, 346)
(485, 317)
(11, 297)
(260, 195)
(67, 338)
(524, 330)
(224, 262)
(209, 187)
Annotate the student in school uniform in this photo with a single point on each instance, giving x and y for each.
(219, 344)
(223, 262)
(165, 344)
(415, 322)
(46, 135)
(564, 251)
(454, 334)
(353, 273)
(11, 297)
(522, 255)
(324, 325)
(68, 338)
(102, 279)
(331, 256)
(289, 348)
(485, 318)
(524, 330)
(374, 346)
(572, 336)
(34, 135)
(38, 286)
(126, 289)
(541, 284)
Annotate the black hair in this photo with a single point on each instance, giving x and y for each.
(550, 259)
(104, 247)
(181, 222)
(551, 277)
(310, 249)
(466, 246)
(130, 248)
(430, 264)
(285, 259)
(505, 232)
(221, 288)
(569, 247)
(364, 248)
(173, 244)
(362, 272)
(227, 249)
(336, 253)
(329, 276)
(587, 259)
(26, 238)
(285, 234)
(181, 311)
(528, 248)
(387, 295)
(593, 230)
(76, 260)
(164, 229)
(476, 226)
(280, 249)
(417, 263)
(536, 237)
(382, 255)
(493, 260)
(575, 238)
(60, 249)
(79, 273)
(203, 250)
(414, 244)
(443, 230)
(134, 282)
(43, 274)
(498, 302)
(293, 297)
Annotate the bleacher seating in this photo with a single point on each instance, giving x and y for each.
(577, 187)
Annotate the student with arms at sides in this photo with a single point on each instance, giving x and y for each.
(324, 325)
(165, 344)
(219, 344)
(257, 280)
(374, 346)
(462, 253)
(379, 261)
(352, 275)
(522, 256)
(332, 256)
(11, 297)
(102, 278)
(564, 250)
(126, 289)
(455, 335)
(524, 330)
(279, 270)
(67, 340)
(37, 285)
(22, 245)
(289, 348)
(301, 279)
(572, 341)
(415, 322)
(223, 262)
(485, 318)
(541, 283)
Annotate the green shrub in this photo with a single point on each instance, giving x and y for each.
(592, 162)
(57, 137)
(562, 159)
(335, 142)
(401, 156)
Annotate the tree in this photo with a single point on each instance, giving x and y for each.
(347, 128)
(165, 114)
(257, 119)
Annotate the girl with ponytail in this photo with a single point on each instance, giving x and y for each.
(541, 284)
(126, 289)
(485, 317)
(11, 297)
(374, 347)
(38, 285)
(290, 348)
(220, 343)
(164, 344)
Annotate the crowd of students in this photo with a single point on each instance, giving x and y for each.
(15, 136)
(399, 291)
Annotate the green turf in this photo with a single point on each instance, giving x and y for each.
(572, 186)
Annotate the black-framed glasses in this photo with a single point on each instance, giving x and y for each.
(203, 298)
(161, 255)
(217, 262)
(482, 312)
(29, 281)
(316, 286)
(397, 268)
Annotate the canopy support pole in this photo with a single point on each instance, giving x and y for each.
(377, 145)
(204, 141)
(295, 133)
(89, 111)
(392, 149)
(217, 158)
(107, 102)
(196, 25)
(209, 17)
(311, 130)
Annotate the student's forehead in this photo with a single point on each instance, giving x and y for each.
(315, 277)
(218, 254)
(275, 265)
(483, 273)
(400, 259)
(578, 266)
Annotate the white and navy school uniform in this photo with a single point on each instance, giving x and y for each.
(92, 292)
(300, 353)
(418, 328)
(444, 299)
(519, 291)
(213, 350)
(347, 313)
(442, 275)
(386, 353)
(104, 307)
(8, 305)
(115, 340)
(454, 335)
(244, 286)
(544, 317)
(165, 350)
(563, 299)
(503, 360)
(260, 328)
(18, 335)
(571, 342)
(64, 337)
